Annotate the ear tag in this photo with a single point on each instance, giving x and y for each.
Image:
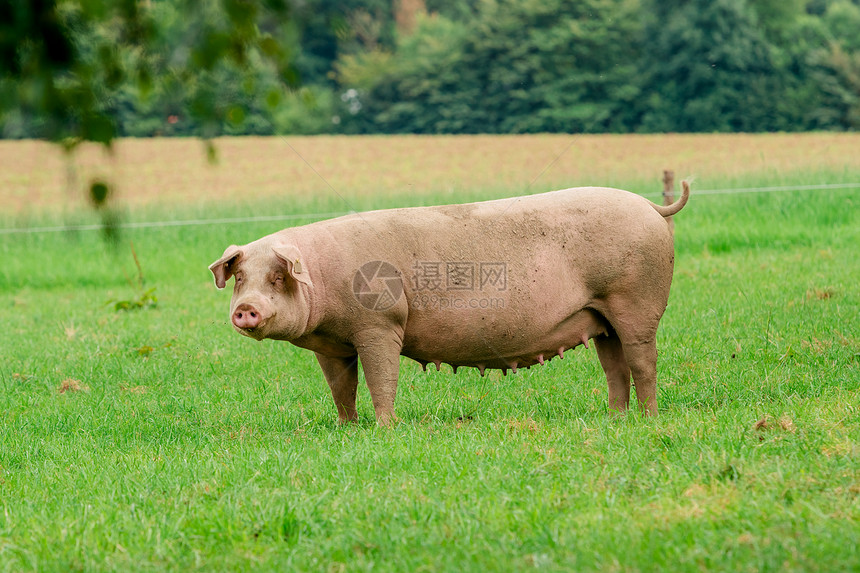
(297, 267)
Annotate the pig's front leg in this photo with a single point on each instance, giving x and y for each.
(342, 377)
(379, 351)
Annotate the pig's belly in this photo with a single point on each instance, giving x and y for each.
(470, 339)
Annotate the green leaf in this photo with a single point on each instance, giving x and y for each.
(236, 115)
(270, 47)
(211, 152)
(99, 193)
(273, 98)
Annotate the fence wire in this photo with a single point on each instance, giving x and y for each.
(321, 216)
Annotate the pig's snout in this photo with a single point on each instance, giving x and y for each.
(246, 317)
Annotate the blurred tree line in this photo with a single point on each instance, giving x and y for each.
(74, 70)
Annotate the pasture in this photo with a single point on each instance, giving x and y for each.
(138, 431)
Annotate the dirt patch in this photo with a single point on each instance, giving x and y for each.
(72, 385)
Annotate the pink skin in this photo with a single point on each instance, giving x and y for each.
(246, 317)
(578, 264)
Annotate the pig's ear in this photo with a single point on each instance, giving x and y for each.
(292, 257)
(222, 268)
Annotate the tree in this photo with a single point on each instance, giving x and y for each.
(68, 67)
(92, 70)
(518, 66)
(777, 17)
(709, 67)
(837, 66)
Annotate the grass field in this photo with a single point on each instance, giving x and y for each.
(157, 438)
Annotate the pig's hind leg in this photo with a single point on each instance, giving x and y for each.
(641, 356)
(634, 321)
(611, 355)
(342, 377)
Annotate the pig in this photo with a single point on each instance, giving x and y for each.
(503, 284)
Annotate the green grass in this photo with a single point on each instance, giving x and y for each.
(188, 447)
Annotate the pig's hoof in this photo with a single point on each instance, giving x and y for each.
(618, 411)
(387, 420)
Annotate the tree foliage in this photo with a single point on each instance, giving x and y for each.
(77, 70)
(710, 68)
(74, 70)
(518, 66)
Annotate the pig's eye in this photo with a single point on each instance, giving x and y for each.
(278, 281)
(239, 278)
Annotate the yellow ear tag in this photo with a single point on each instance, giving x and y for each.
(297, 267)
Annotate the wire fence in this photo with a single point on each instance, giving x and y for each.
(176, 223)
(321, 216)
(821, 187)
